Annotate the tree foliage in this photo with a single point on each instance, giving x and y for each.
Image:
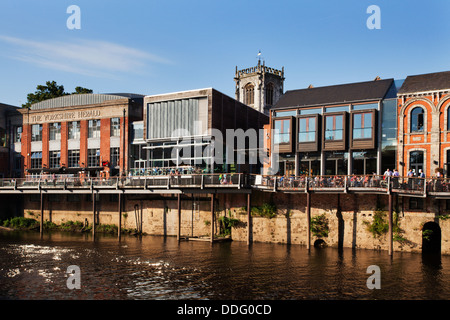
(49, 91)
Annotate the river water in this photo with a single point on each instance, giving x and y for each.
(152, 267)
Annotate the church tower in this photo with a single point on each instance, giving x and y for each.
(259, 87)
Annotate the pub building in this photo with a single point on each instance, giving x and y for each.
(336, 130)
(424, 124)
(76, 135)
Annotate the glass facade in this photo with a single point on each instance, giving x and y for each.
(115, 127)
(307, 130)
(282, 131)
(334, 127)
(54, 159)
(362, 125)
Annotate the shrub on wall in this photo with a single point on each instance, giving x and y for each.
(319, 226)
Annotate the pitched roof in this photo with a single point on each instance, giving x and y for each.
(352, 92)
(426, 82)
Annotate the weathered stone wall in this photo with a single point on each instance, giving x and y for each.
(348, 217)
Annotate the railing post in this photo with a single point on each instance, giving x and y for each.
(168, 182)
(15, 184)
(239, 180)
(346, 184)
(202, 181)
(275, 183)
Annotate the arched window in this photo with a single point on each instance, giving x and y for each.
(417, 119)
(269, 94)
(448, 117)
(249, 95)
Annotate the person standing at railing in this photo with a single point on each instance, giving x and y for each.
(395, 177)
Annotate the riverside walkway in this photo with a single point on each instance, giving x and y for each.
(230, 183)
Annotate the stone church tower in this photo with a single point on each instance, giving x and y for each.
(259, 87)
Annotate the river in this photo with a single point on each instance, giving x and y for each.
(160, 268)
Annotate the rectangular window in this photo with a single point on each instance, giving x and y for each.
(283, 128)
(307, 130)
(36, 132)
(54, 159)
(362, 125)
(93, 157)
(74, 130)
(115, 155)
(74, 158)
(115, 127)
(94, 129)
(36, 160)
(334, 127)
(55, 131)
(18, 134)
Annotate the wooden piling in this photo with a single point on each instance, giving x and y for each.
(41, 228)
(93, 215)
(308, 220)
(119, 232)
(212, 218)
(179, 218)
(391, 231)
(249, 219)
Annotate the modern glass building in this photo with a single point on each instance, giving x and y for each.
(336, 130)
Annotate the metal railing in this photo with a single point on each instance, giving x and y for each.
(341, 183)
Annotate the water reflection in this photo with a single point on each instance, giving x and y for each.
(153, 267)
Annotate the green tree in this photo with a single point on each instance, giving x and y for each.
(49, 91)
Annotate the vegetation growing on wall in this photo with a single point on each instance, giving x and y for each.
(226, 224)
(266, 210)
(319, 226)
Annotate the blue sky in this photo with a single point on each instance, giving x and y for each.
(152, 47)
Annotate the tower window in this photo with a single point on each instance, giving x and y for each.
(269, 94)
(249, 94)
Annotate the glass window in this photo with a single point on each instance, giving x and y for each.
(18, 134)
(54, 159)
(334, 127)
(365, 106)
(138, 130)
(310, 111)
(115, 127)
(36, 160)
(74, 158)
(362, 125)
(36, 132)
(55, 131)
(94, 129)
(417, 119)
(114, 156)
(337, 109)
(307, 130)
(283, 131)
(416, 162)
(74, 130)
(93, 157)
(286, 113)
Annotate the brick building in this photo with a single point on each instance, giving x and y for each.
(81, 134)
(424, 123)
